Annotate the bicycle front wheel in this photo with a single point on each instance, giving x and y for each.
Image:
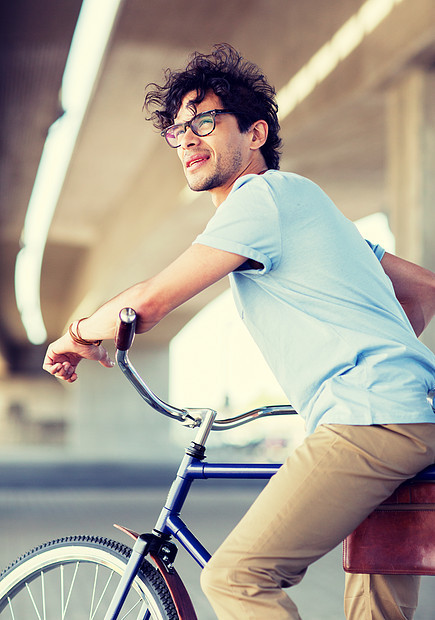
(75, 578)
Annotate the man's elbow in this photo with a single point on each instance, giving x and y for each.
(421, 309)
(430, 305)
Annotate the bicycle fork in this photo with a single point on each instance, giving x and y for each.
(139, 551)
(158, 546)
(163, 553)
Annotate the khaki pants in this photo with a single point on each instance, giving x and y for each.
(321, 493)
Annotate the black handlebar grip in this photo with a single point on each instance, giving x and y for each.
(126, 329)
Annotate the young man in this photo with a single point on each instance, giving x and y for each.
(335, 317)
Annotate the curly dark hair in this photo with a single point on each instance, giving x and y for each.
(239, 84)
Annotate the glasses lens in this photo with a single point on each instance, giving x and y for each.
(203, 124)
(174, 134)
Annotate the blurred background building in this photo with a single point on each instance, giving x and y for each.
(92, 199)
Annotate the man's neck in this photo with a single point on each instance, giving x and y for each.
(219, 194)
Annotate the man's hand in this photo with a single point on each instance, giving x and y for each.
(63, 356)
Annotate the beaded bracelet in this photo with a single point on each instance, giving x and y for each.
(77, 338)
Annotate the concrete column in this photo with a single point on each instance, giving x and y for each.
(112, 422)
(411, 169)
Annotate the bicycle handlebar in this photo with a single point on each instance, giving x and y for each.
(190, 417)
(126, 329)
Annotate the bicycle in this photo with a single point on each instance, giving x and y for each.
(93, 577)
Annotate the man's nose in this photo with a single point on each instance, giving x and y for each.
(189, 138)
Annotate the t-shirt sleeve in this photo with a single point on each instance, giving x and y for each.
(247, 223)
(377, 250)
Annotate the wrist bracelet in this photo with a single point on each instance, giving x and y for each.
(76, 337)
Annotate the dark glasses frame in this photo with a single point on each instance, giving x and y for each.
(192, 123)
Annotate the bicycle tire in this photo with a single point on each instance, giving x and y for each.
(74, 578)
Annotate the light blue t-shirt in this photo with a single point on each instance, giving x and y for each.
(321, 310)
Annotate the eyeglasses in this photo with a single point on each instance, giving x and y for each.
(202, 125)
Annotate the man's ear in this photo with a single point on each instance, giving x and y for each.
(259, 132)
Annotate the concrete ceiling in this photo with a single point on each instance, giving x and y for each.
(124, 211)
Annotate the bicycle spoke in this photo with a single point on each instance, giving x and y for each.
(130, 610)
(10, 607)
(61, 587)
(91, 615)
(43, 595)
(64, 608)
(29, 591)
(102, 595)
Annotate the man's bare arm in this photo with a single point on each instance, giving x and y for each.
(415, 289)
(195, 270)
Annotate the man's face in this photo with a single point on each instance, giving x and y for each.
(213, 162)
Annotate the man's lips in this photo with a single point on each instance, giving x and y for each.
(194, 160)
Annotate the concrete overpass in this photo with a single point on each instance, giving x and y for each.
(356, 90)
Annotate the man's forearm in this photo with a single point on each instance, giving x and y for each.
(414, 287)
(102, 323)
(196, 269)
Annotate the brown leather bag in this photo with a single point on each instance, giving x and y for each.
(398, 537)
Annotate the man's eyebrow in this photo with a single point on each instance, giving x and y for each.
(191, 107)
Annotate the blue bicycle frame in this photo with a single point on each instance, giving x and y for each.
(169, 524)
